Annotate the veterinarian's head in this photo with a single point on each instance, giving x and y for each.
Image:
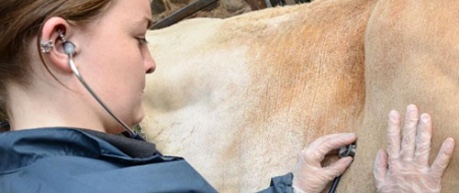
(48, 46)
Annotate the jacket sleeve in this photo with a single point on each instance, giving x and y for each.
(280, 184)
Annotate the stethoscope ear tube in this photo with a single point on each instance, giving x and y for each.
(69, 49)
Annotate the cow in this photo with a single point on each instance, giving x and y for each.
(239, 98)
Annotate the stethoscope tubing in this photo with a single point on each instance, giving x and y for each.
(69, 49)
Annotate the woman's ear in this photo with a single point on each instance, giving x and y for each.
(55, 32)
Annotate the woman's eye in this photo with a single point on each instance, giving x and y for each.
(142, 41)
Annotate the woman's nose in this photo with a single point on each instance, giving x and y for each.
(149, 63)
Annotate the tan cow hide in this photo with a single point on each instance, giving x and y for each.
(241, 97)
(412, 56)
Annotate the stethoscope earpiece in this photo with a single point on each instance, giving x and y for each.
(69, 48)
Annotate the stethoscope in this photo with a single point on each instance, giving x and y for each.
(345, 151)
(69, 49)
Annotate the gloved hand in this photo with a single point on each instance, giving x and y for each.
(309, 175)
(406, 167)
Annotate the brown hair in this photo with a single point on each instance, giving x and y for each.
(21, 21)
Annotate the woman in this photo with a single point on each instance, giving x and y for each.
(62, 140)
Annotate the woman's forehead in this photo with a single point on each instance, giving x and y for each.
(124, 13)
(130, 9)
(140, 6)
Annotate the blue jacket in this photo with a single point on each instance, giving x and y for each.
(65, 160)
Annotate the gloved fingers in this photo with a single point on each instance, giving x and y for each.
(316, 152)
(443, 158)
(393, 136)
(337, 168)
(380, 168)
(409, 133)
(423, 138)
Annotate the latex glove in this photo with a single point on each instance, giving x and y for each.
(309, 175)
(406, 167)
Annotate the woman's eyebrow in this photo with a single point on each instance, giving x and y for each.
(149, 22)
(146, 20)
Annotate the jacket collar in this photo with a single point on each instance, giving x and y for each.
(21, 148)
